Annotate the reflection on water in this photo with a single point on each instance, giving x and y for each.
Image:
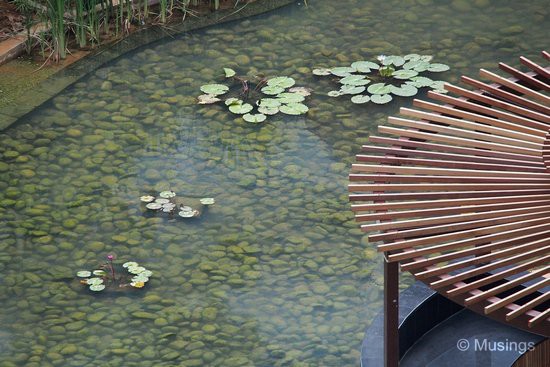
(276, 273)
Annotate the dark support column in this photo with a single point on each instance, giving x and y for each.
(391, 314)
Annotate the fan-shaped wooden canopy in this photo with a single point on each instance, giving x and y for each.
(459, 193)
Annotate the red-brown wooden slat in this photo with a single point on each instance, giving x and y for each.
(529, 79)
(515, 86)
(535, 67)
(517, 295)
(537, 319)
(528, 306)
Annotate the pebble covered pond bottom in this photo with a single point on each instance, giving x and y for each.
(276, 273)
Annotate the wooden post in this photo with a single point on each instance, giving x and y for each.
(391, 314)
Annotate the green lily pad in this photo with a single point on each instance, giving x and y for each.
(335, 93)
(83, 274)
(229, 72)
(146, 273)
(438, 84)
(351, 89)
(321, 71)
(268, 110)
(364, 66)
(437, 68)
(355, 80)
(395, 60)
(97, 287)
(380, 98)
(379, 88)
(100, 273)
(130, 264)
(290, 97)
(233, 101)
(241, 109)
(426, 58)
(294, 109)
(404, 74)
(281, 81)
(214, 89)
(405, 90)
(304, 91)
(412, 57)
(208, 99)
(360, 99)
(269, 102)
(342, 71)
(272, 90)
(136, 269)
(207, 201)
(94, 281)
(417, 65)
(421, 81)
(256, 118)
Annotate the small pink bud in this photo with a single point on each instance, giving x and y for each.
(110, 257)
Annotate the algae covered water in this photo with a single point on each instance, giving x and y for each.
(276, 273)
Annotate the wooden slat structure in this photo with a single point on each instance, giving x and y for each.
(458, 193)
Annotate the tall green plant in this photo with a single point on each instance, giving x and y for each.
(26, 9)
(80, 26)
(54, 14)
(93, 21)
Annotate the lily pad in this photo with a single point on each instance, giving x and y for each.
(241, 109)
(272, 90)
(355, 80)
(351, 89)
(83, 274)
(229, 72)
(97, 287)
(437, 68)
(167, 194)
(404, 74)
(185, 214)
(379, 88)
(321, 71)
(294, 109)
(136, 269)
(360, 99)
(214, 89)
(412, 57)
(269, 102)
(417, 65)
(207, 201)
(100, 273)
(130, 264)
(146, 273)
(146, 198)
(335, 93)
(281, 81)
(232, 101)
(420, 81)
(380, 98)
(153, 206)
(395, 60)
(290, 97)
(94, 281)
(208, 99)
(364, 66)
(268, 110)
(254, 118)
(342, 71)
(405, 90)
(162, 201)
(304, 91)
(426, 58)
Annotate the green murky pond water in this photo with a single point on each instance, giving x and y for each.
(276, 273)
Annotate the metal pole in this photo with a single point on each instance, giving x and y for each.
(391, 314)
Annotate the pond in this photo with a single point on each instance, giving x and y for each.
(276, 272)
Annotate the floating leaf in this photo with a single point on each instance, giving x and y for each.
(214, 89)
(269, 102)
(417, 65)
(351, 89)
(426, 58)
(342, 71)
(272, 90)
(355, 80)
(130, 264)
(146, 273)
(438, 84)
(94, 281)
(137, 284)
(140, 278)
(147, 198)
(321, 71)
(421, 81)
(241, 109)
(185, 214)
(364, 66)
(441, 91)
(100, 273)
(229, 72)
(232, 101)
(360, 99)
(412, 57)
(381, 98)
(405, 90)
(335, 93)
(83, 274)
(136, 269)
(395, 60)
(290, 97)
(437, 68)
(97, 287)
(186, 208)
(404, 74)
(208, 99)
(294, 109)
(162, 201)
(379, 88)
(268, 110)
(304, 91)
(167, 194)
(256, 118)
(153, 206)
(207, 201)
(281, 81)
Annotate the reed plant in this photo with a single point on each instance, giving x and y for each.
(55, 18)
(80, 25)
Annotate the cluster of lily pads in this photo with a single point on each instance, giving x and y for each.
(107, 276)
(268, 96)
(397, 75)
(167, 202)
